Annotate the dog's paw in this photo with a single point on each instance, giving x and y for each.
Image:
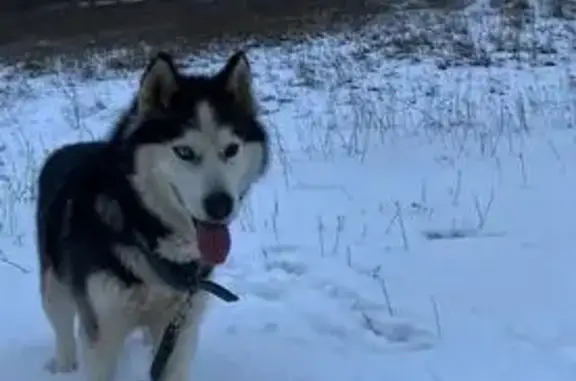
(55, 366)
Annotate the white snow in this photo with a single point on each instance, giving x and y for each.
(416, 224)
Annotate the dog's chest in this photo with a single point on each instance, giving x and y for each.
(152, 298)
(151, 294)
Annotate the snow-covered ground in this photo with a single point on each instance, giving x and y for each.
(417, 223)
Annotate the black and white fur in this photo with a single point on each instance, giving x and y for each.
(186, 152)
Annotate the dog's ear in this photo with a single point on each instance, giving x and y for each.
(158, 84)
(237, 79)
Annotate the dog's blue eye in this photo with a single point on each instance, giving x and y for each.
(186, 153)
(231, 151)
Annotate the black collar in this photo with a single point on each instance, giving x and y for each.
(190, 276)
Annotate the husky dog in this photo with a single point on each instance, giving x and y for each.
(126, 225)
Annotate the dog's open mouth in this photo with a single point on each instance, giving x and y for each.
(213, 238)
(213, 241)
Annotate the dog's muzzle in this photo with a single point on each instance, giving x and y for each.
(218, 206)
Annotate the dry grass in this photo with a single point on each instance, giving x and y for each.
(401, 30)
(451, 38)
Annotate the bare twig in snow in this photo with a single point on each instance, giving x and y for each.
(482, 213)
(436, 317)
(321, 230)
(523, 169)
(4, 259)
(402, 227)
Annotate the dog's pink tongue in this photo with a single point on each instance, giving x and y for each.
(213, 242)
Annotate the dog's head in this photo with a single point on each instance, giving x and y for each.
(196, 139)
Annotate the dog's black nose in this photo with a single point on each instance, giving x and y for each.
(218, 205)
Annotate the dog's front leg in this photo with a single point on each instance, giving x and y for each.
(100, 353)
(100, 349)
(178, 365)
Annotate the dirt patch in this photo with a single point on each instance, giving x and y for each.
(184, 24)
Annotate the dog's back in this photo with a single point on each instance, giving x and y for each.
(58, 171)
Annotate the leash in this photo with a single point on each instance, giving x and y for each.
(183, 277)
(187, 278)
(172, 331)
